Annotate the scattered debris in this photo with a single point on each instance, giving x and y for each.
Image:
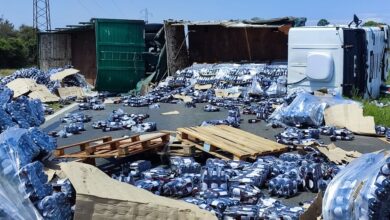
(380, 104)
(211, 108)
(91, 188)
(171, 113)
(119, 120)
(91, 103)
(222, 186)
(350, 116)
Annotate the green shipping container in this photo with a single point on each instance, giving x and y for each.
(119, 60)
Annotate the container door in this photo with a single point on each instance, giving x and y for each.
(355, 76)
(119, 47)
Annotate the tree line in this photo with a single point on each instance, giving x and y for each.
(18, 46)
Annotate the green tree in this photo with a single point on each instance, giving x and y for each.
(372, 24)
(7, 29)
(28, 36)
(13, 53)
(18, 47)
(323, 22)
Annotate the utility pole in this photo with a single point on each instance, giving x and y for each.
(146, 14)
(41, 15)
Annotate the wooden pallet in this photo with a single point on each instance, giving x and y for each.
(228, 143)
(184, 150)
(106, 147)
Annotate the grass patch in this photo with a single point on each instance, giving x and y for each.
(6, 72)
(55, 106)
(381, 115)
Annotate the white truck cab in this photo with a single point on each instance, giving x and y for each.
(349, 60)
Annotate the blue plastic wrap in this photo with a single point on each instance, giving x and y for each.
(124, 178)
(242, 212)
(178, 187)
(306, 110)
(56, 207)
(139, 166)
(213, 177)
(15, 203)
(213, 193)
(26, 112)
(35, 181)
(353, 194)
(161, 173)
(272, 209)
(154, 186)
(181, 165)
(246, 194)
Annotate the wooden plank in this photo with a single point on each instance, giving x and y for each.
(113, 145)
(223, 136)
(104, 138)
(262, 140)
(255, 145)
(214, 140)
(235, 141)
(221, 143)
(200, 147)
(120, 147)
(249, 145)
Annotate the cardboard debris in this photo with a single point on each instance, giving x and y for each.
(21, 86)
(338, 155)
(314, 210)
(112, 100)
(183, 97)
(202, 87)
(43, 94)
(222, 93)
(384, 139)
(62, 74)
(100, 197)
(350, 116)
(171, 113)
(70, 91)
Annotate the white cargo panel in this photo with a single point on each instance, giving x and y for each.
(315, 55)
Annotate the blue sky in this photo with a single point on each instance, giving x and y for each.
(65, 12)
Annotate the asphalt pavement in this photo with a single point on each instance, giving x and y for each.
(193, 117)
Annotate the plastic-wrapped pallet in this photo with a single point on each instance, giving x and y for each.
(181, 165)
(178, 187)
(306, 110)
(272, 209)
(159, 172)
(354, 194)
(139, 166)
(246, 194)
(244, 212)
(35, 181)
(153, 186)
(213, 177)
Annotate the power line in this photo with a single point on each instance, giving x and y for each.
(118, 8)
(85, 8)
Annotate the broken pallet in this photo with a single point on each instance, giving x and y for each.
(106, 147)
(228, 143)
